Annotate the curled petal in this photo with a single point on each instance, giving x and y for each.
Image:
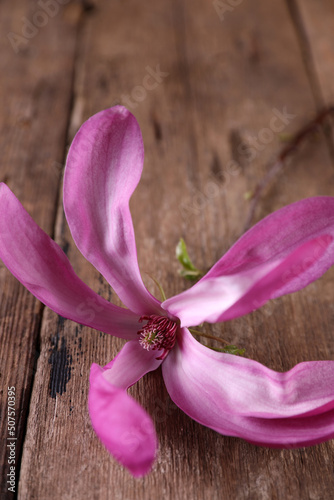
(43, 268)
(120, 422)
(103, 168)
(281, 254)
(240, 397)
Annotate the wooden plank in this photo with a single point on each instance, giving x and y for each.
(225, 79)
(317, 33)
(35, 96)
(318, 22)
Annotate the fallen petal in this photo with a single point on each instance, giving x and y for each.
(122, 425)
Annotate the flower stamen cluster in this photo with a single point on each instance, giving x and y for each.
(158, 333)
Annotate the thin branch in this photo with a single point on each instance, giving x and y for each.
(206, 335)
(274, 168)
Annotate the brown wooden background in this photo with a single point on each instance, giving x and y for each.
(225, 77)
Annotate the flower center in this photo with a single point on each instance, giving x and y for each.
(158, 333)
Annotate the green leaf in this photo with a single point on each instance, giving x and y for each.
(183, 256)
(230, 349)
(189, 271)
(190, 275)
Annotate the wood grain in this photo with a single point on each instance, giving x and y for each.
(318, 21)
(35, 97)
(226, 80)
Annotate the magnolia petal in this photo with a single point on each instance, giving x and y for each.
(240, 397)
(211, 298)
(281, 254)
(120, 422)
(103, 168)
(43, 268)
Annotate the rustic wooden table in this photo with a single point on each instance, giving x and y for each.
(226, 69)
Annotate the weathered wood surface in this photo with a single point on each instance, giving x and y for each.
(35, 96)
(225, 79)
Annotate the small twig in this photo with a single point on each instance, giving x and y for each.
(207, 336)
(162, 293)
(274, 168)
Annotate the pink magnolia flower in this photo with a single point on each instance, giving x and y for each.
(232, 395)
